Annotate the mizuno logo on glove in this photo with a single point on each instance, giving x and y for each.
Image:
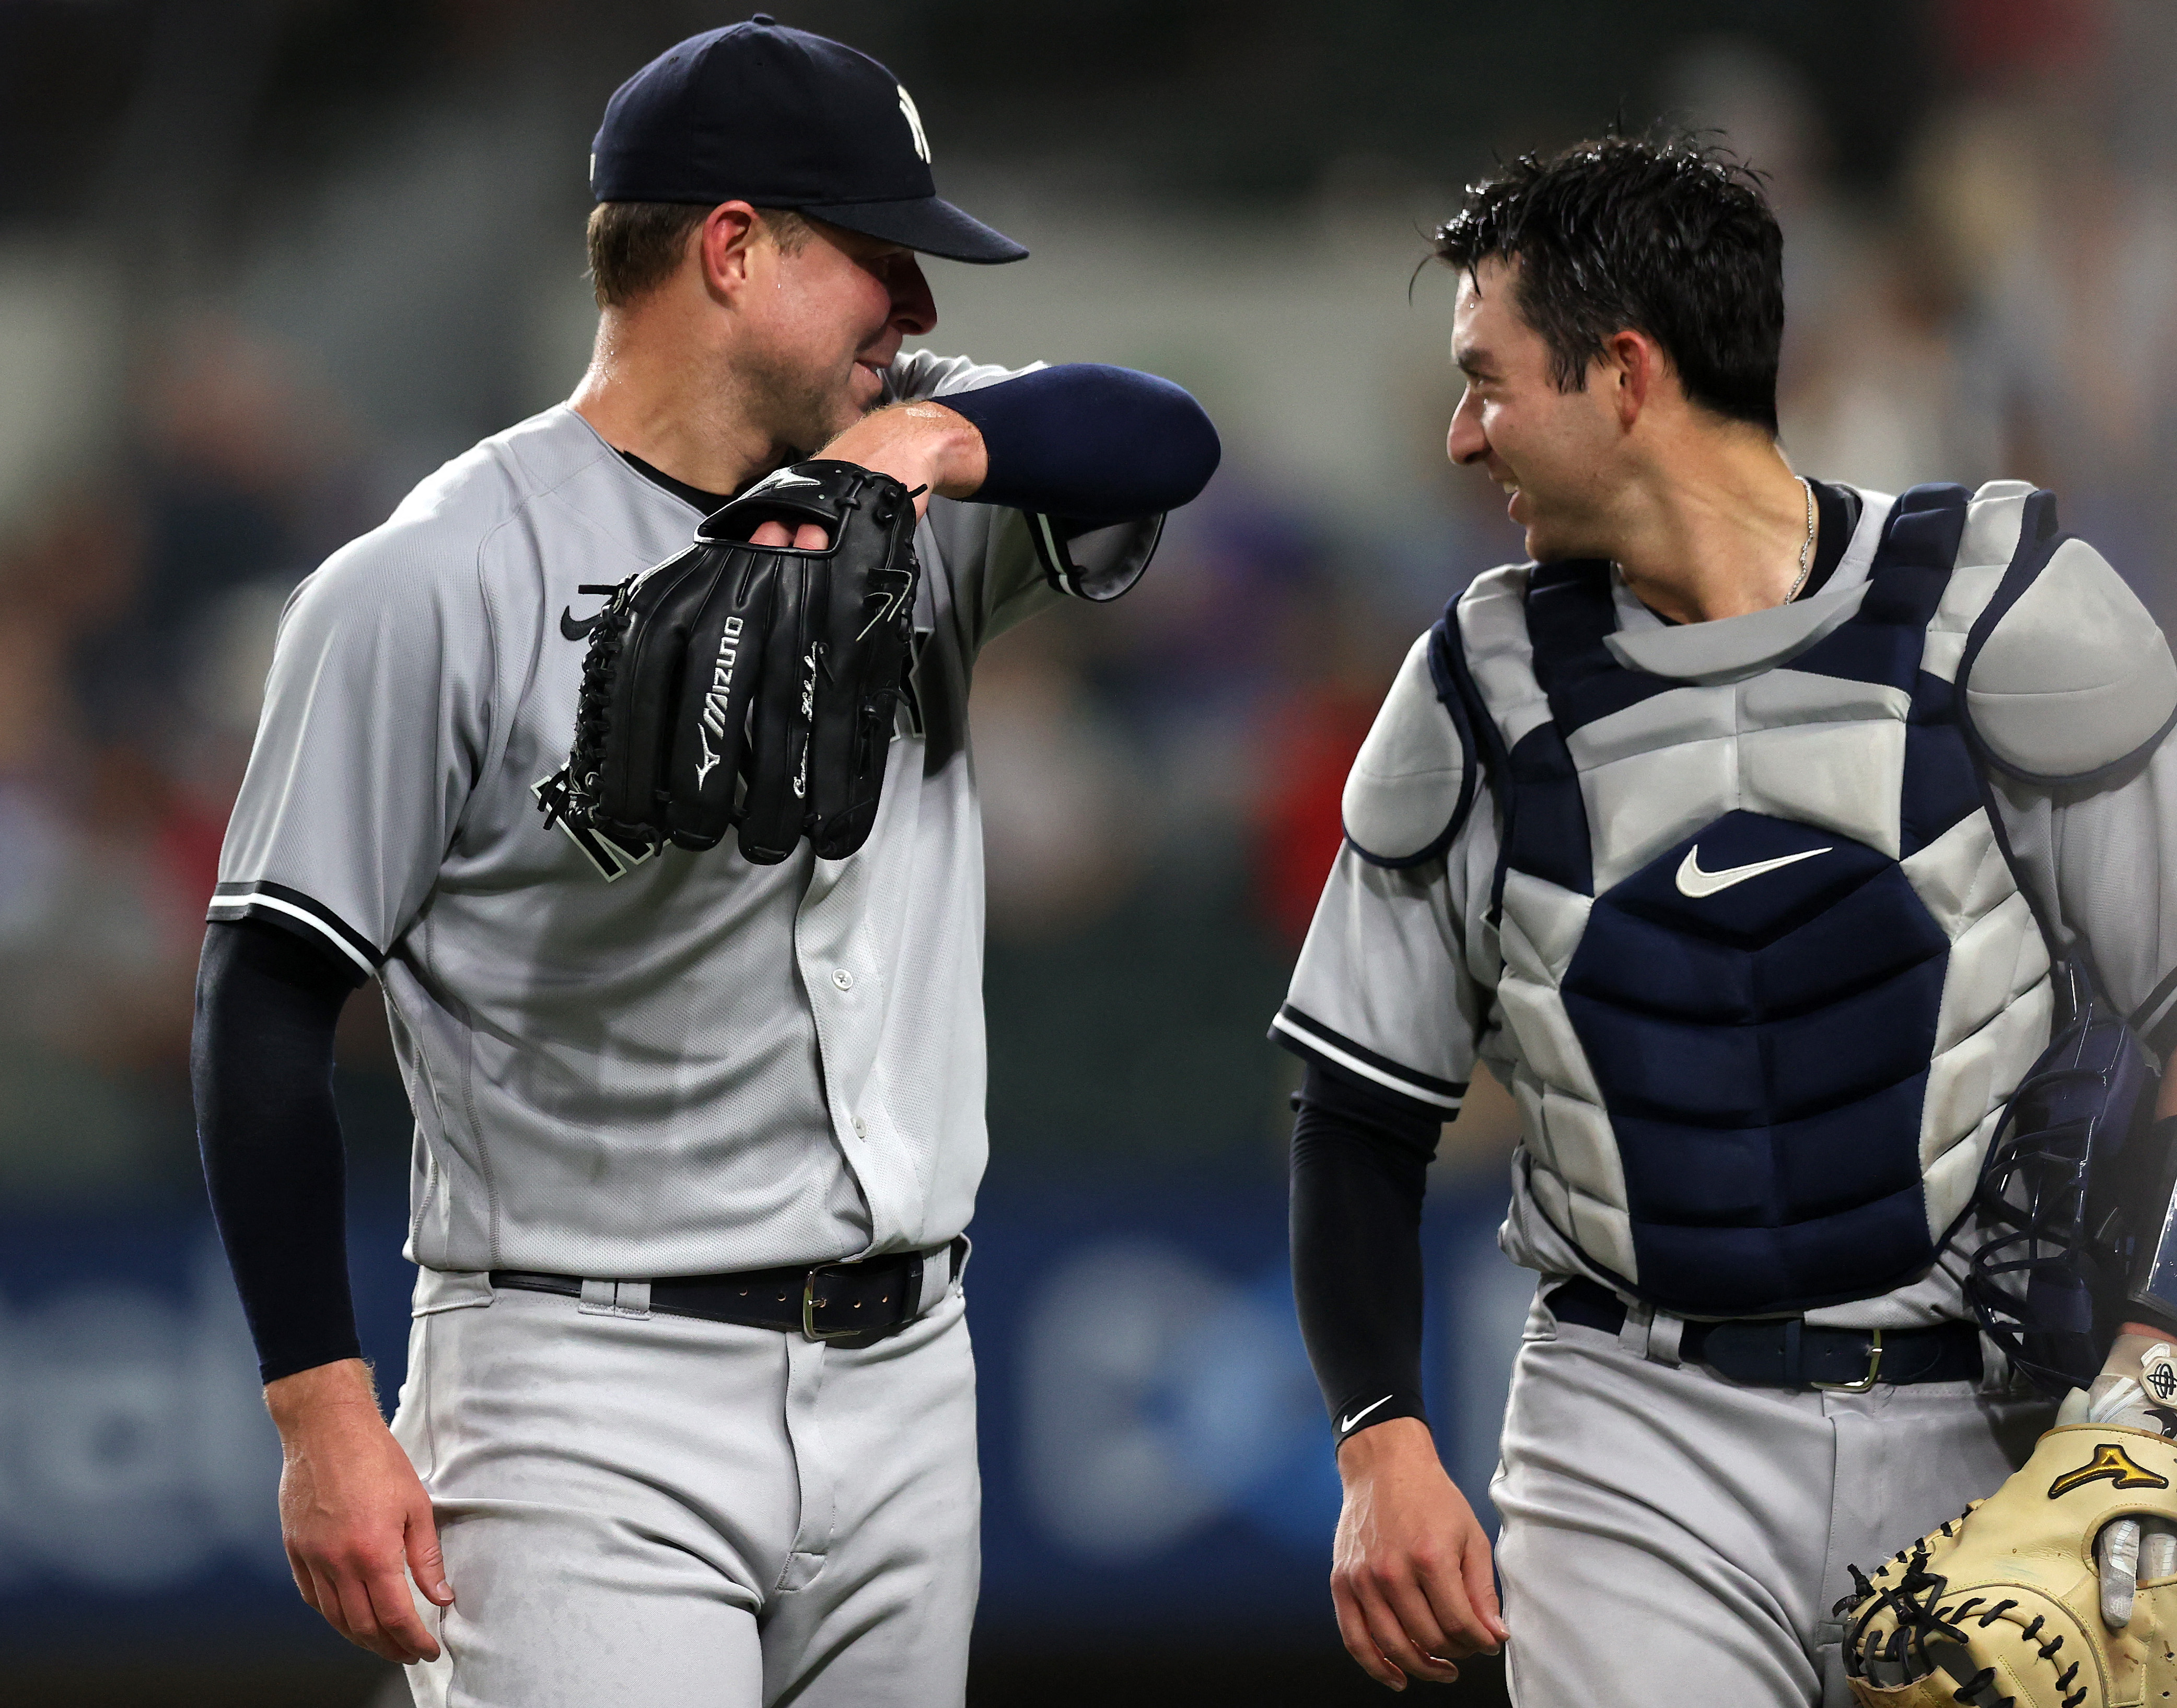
(713, 721)
(2110, 1461)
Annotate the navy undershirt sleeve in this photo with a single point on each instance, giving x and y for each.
(1090, 443)
(261, 1060)
(1360, 1167)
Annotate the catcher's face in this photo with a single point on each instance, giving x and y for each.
(1553, 451)
(822, 337)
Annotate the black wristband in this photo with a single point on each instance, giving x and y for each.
(1363, 1412)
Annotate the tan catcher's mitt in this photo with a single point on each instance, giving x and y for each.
(2002, 1607)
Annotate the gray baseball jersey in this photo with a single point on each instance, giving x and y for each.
(677, 1064)
(1777, 739)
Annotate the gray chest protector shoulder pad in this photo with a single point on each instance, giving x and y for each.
(1415, 779)
(2066, 677)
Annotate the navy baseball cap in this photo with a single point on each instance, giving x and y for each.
(780, 119)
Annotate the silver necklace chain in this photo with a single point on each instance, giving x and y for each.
(1806, 546)
(1806, 550)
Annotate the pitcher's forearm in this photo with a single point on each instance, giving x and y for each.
(921, 443)
(296, 1401)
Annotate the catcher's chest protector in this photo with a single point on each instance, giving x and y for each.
(1767, 975)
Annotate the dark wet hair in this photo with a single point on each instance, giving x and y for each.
(1671, 236)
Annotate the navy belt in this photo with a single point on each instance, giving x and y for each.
(853, 1304)
(1789, 1352)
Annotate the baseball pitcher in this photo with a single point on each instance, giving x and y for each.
(629, 757)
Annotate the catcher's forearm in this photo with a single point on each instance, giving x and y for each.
(1360, 1167)
(261, 1062)
(2148, 1168)
(1090, 443)
(2150, 1316)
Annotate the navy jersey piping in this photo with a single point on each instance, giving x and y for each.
(1301, 1032)
(291, 909)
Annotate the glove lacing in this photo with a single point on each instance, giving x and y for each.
(571, 792)
(1914, 1599)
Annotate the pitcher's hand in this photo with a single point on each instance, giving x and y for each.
(353, 1514)
(921, 443)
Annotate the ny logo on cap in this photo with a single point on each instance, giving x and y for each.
(914, 124)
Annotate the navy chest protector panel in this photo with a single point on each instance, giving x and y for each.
(1759, 1004)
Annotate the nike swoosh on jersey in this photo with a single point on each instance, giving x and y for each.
(1694, 883)
(577, 628)
(1346, 1423)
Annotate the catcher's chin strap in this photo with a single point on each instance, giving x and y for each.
(1925, 1629)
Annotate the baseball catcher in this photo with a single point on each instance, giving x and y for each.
(749, 684)
(1791, 852)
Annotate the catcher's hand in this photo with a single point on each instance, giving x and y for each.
(2136, 1387)
(752, 685)
(2005, 1605)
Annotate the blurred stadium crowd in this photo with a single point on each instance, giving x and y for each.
(264, 263)
(284, 257)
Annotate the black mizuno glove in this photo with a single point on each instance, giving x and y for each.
(751, 685)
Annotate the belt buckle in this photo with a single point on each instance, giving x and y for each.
(809, 1302)
(1866, 1382)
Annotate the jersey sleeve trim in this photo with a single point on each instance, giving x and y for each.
(242, 901)
(1123, 551)
(1305, 1036)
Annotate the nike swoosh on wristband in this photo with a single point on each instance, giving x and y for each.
(1694, 883)
(1346, 1423)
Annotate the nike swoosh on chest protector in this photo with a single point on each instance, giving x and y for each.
(1694, 883)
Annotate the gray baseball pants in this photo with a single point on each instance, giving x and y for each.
(1670, 1536)
(658, 1512)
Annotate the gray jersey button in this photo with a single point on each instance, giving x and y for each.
(843, 978)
